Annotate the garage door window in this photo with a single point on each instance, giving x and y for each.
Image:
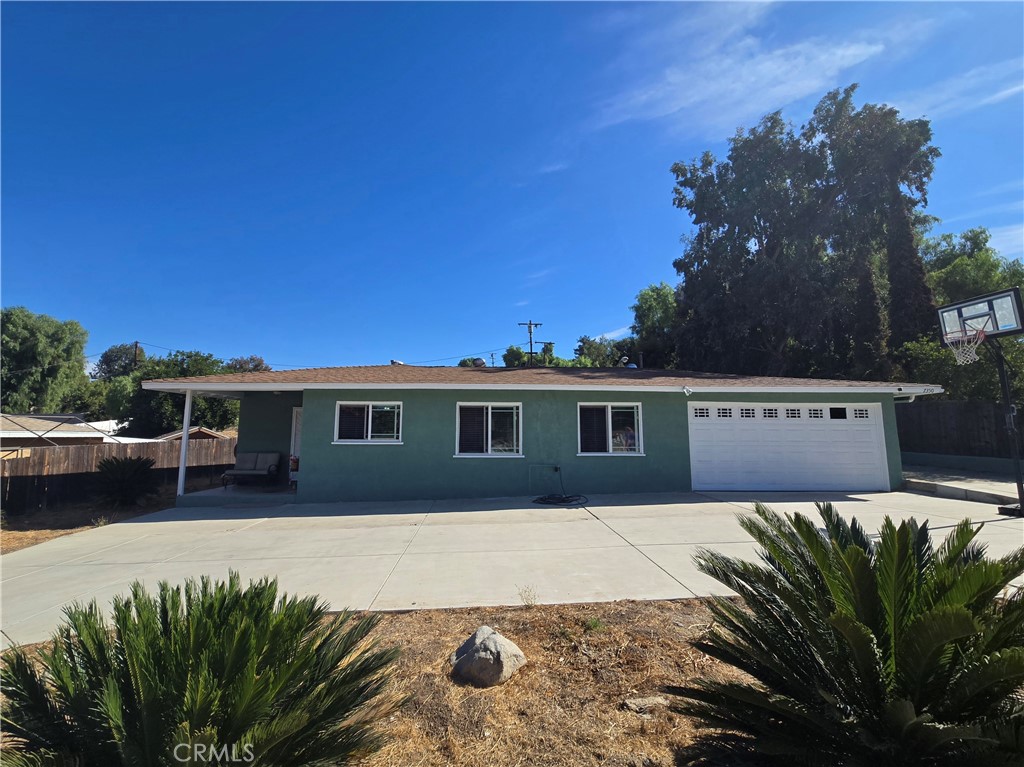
(612, 429)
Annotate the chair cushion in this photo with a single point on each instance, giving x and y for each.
(265, 460)
(246, 461)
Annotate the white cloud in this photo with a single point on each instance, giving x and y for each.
(613, 335)
(976, 88)
(1008, 207)
(521, 303)
(708, 67)
(1008, 240)
(1009, 186)
(555, 167)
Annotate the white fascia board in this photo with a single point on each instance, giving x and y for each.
(54, 435)
(214, 388)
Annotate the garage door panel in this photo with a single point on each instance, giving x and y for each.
(742, 446)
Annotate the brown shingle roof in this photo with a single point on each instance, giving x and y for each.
(411, 375)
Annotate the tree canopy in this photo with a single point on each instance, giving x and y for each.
(43, 361)
(119, 360)
(804, 260)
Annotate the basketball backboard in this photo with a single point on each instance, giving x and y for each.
(997, 314)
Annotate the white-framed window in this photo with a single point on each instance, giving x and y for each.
(489, 429)
(792, 412)
(610, 428)
(725, 412)
(368, 423)
(747, 412)
(770, 412)
(860, 412)
(815, 412)
(702, 412)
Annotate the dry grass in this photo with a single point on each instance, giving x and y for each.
(565, 706)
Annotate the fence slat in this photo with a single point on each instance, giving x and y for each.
(51, 474)
(953, 428)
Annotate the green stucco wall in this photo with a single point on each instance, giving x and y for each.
(424, 466)
(265, 425)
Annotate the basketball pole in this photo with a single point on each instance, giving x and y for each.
(1011, 426)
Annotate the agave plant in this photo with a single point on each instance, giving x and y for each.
(123, 481)
(862, 652)
(212, 674)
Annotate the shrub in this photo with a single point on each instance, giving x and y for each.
(214, 666)
(123, 481)
(862, 652)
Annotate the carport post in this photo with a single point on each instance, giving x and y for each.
(185, 421)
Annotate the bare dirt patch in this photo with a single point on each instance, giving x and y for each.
(565, 706)
(31, 527)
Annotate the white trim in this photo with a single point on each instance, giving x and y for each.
(297, 411)
(186, 427)
(608, 426)
(369, 415)
(181, 388)
(488, 455)
(487, 434)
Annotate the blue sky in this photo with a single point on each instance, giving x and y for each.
(327, 184)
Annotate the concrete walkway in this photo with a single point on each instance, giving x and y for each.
(977, 486)
(397, 556)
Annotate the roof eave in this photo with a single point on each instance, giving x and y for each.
(227, 389)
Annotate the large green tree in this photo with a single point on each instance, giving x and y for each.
(151, 413)
(119, 360)
(958, 267)
(654, 315)
(42, 361)
(803, 261)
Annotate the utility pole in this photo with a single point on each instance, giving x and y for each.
(136, 358)
(530, 325)
(492, 359)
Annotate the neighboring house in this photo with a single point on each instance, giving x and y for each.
(26, 431)
(35, 431)
(403, 432)
(196, 432)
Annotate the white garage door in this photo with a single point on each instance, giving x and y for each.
(749, 446)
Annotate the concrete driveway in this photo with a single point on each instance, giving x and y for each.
(396, 556)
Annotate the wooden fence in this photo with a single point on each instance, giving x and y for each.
(53, 475)
(948, 427)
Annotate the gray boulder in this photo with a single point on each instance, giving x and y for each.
(487, 658)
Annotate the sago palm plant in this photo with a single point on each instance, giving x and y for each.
(864, 652)
(211, 674)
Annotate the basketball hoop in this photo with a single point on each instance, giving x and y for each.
(964, 345)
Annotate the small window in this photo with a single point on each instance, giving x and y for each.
(610, 429)
(860, 412)
(725, 412)
(369, 422)
(747, 412)
(815, 412)
(701, 412)
(489, 429)
(837, 413)
(792, 412)
(770, 412)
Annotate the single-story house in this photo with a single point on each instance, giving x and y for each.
(27, 431)
(394, 432)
